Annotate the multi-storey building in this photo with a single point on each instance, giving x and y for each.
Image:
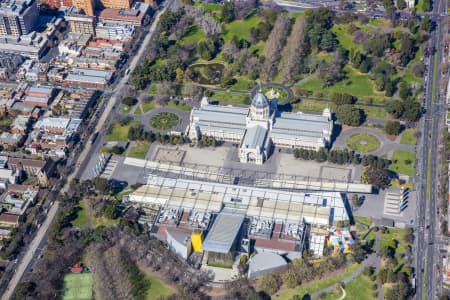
(80, 23)
(114, 31)
(116, 3)
(86, 5)
(123, 16)
(17, 17)
(58, 3)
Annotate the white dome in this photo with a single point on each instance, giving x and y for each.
(260, 100)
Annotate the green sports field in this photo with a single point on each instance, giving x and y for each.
(78, 286)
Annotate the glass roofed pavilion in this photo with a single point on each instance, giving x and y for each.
(260, 127)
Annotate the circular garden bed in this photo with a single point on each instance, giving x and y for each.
(206, 73)
(164, 121)
(363, 142)
(276, 92)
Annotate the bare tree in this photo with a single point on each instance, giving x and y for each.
(110, 277)
(295, 51)
(206, 21)
(166, 88)
(274, 45)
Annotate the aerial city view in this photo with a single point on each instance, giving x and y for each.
(244, 149)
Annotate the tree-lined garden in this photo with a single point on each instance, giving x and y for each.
(316, 52)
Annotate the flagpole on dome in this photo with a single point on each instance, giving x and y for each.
(259, 84)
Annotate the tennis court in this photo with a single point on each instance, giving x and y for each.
(78, 286)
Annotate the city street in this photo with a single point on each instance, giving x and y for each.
(427, 169)
(80, 161)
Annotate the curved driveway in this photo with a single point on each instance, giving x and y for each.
(386, 145)
(145, 118)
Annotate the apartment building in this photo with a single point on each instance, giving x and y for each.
(17, 17)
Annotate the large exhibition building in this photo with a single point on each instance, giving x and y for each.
(235, 218)
(260, 127)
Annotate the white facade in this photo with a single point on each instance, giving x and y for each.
(259, 127)
(179, 243)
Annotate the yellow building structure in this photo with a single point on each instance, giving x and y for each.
(197, 241)
(116, 4)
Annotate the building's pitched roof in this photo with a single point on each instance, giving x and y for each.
(223, 232)
(181, 237)
(255, 137)
(266, 261)
(9, 218)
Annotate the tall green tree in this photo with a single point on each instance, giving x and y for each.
(392, 127)
(349, 115)
(228, 14)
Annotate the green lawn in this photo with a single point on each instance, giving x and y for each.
(229, 97)
(140, 150)
(194, 34)
(368, 235)
(355, 83)
(345, 39)
(394, 238)
(240, 28)
(147, 106)
(164, 121)
(379, 23)
(403, 162)
(220, 265)
(109, 151)
(297, 14)
(242, 83)
(357, 289)
(363, 142)
(408, 76)
(258, 48)
(125, 108)
(419, 6)
(363, 220)
(103, 221)
(183, 107)
(210, 7)
(311, 106)
(388, 239)
(78, 286)
(120, 133)
(158, 289)
(374, 112)
(152, 89)
(360, 289)
(124, 192)
(317, 285)
(409, 137)
(394, 184)
(81, 219)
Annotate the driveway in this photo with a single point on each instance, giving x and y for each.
(386, 145)
(145, 118)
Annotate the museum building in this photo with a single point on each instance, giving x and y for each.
(260, 127)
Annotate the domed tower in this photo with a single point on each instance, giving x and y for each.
(260, 108)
